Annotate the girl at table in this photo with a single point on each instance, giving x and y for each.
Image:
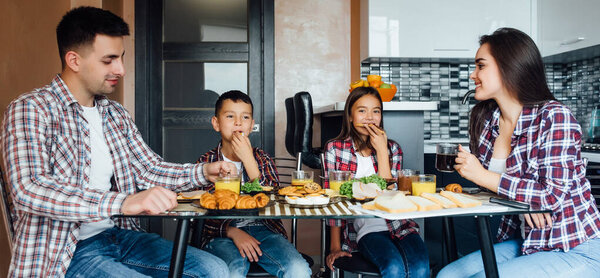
(363, 148)
(527, 147)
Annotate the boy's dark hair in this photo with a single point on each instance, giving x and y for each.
(235, 96)
(79, 27)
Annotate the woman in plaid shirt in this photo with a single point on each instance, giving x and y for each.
(527, 147)
(394, 246)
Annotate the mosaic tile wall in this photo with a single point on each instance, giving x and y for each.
(576, 84)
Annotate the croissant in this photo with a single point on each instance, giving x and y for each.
(245, 202)
(226, 202)
(287, 190)
(208, 201)
(312, 187)
(220, 193)
(454, 187)
(261, 199)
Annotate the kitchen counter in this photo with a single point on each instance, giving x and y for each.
(591, 156)
(429, 146)
(387, 106)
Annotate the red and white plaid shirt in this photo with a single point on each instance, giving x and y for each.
(545, 169)
(340, 155)
(46, 150)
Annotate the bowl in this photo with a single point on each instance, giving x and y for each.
(387, 94)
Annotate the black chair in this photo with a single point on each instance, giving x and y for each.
(298, 137)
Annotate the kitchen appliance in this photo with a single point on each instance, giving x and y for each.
(594, 132)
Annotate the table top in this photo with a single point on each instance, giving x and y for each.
(342, 209)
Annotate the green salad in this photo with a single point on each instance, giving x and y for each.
(346, 187)
(251, 186)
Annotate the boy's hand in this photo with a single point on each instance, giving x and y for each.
(242, 147)
(246, 244)
(151, 201)
(212, 171)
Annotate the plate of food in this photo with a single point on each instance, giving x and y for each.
(190, 196)
(312, 195)
(227, 202)
(364, 189)
(254, 188)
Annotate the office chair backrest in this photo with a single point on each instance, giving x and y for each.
(303, 130)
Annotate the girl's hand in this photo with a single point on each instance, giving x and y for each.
(378, 138)
(246, 244)
(334, 255)
(468, 166)
(538, 220)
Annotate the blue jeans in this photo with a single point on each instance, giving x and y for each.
(279, 256)
(124, 253)
(581, 261)
(396, 258)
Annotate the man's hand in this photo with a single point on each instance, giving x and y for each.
(213, 170)
(334, 255)
(246, 244)
(152, 201)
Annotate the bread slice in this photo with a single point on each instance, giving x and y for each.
(369, 205)
(397, 203)
(439, 199)
(460, 199)
(424, 204)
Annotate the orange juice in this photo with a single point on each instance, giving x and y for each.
(419, 187)
(228, 183)
(298, 183)
(335, 185)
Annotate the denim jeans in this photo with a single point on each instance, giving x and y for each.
(124, 253)
(581, 261)
(279, 256)
(396, 258)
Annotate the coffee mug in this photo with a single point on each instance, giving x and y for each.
(445, 157)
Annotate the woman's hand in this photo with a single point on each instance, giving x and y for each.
(538, 220)
(334, 255)
(468, 166)
(378, 137)
(246, 244)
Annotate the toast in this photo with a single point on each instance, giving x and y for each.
(439, 199)
(460, 199)
(424, 204)
(397, 203)
(369, 205)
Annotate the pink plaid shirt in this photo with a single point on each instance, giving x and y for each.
(340, 155)
(545, 169)
(46, 150)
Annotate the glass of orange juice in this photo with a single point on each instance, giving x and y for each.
(337, 178)
(423, 183)
(230, 181)
(299, 178)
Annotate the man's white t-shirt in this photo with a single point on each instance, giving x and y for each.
(101, 169)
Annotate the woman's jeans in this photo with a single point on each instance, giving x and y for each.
(396, 258)
(581, 261)
(279, 256)
(124, 253)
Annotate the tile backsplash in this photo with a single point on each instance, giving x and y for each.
(576, 84)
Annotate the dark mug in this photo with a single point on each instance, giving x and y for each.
(445, 157)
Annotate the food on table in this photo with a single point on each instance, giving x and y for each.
(346, 187)
(286, 190)
(361, 191)
(226, 199)
(441, 200)
(245, 202)
(190, 195)
(454, 187)
(369, 205)
(307, 200)
(220, 193)
(397, 203)
(261, 199)
(312, 187)
(424, 204)
(267, 188)
(208, 201)
(460, 199)
(226, 202)
(252, 186)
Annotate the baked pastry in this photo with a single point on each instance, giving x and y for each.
(287, 190)
(245, 202)
(220, 193)
(208, 201)
(312, 187)
(261, 199)
(226, 202)
(454, 187)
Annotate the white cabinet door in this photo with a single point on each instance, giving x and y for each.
(568, 25)
(438, 28)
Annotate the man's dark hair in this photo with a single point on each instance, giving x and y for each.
(79, 27)
(235, 96)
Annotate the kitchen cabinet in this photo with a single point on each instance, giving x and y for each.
(438, 28)
(567, 25)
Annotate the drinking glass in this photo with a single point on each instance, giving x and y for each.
(423, 183)
(445, 157)
(229, 181)
(299, 178)
(404, 179)
(337, 178)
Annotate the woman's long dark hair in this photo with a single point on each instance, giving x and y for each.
(348, 129)
(521, 71)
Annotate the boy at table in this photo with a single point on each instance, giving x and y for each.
(74, 158)
(239, 242)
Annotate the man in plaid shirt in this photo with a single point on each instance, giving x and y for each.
(75, 158)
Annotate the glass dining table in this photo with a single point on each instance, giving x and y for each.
(184, 213)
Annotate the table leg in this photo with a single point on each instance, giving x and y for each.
(179, 248)
(449, 239)
(487, 248)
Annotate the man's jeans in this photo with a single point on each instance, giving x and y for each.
(581, 261)
(279, 257)
(124, 253)
(396, 258)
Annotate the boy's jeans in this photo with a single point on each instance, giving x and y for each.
(279, 257)
(124, 253)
